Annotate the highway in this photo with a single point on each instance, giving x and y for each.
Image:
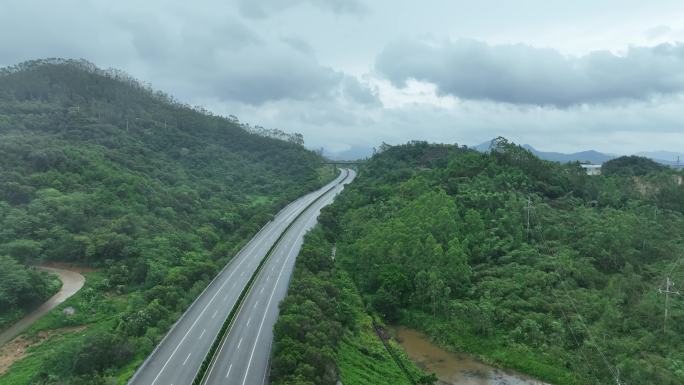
(177, 358)
(243, 358)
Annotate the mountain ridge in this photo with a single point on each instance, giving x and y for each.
(100, 170)
(668, 158)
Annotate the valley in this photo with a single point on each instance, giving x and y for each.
(216, 252)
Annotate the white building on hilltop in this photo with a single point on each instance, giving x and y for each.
(592, 169)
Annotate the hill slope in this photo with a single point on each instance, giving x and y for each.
(97, 169)
(590, 156)
(436, 237)
(631, 166)
(667, 158)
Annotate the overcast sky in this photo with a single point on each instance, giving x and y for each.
(350, 74)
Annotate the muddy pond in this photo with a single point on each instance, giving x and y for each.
(455, 368)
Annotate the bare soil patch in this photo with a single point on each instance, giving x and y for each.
(17, 349)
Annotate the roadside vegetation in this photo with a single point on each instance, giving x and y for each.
(528, 264)
(324, 334)
(99, 170)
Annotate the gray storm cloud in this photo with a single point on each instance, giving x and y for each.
(521, 74)
(317, 67)
(227, 59)
(272, 74)
(259, 9)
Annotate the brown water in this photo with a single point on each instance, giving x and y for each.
(455, 368)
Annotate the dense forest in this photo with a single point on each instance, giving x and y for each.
(99, 170)
(528, 264)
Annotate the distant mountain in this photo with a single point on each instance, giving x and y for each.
(664, 157)
(590, 156)
(667, 158)
(482, 147)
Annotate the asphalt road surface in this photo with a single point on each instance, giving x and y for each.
(177, 358)
(244, 356)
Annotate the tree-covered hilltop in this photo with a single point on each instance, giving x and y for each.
(98, 169)
(529, 264)
(631, 166)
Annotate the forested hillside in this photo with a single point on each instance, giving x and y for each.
(97, 169)
(528, 264)
(631, 166)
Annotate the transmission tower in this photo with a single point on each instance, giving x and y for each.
(667, 290)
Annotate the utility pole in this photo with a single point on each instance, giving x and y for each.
(669, 289)
(617, 377)
(528, 208)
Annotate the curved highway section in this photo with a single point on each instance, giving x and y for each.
(177, 358)
(243, 358)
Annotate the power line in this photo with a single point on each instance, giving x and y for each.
(615, 372)
(528, 208)
(592, 370)
(674, 265)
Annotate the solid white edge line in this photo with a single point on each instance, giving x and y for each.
(195, 323)
(213, 363)
(268, 305)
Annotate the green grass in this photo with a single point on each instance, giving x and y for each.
(26, 370)
(362, 359)
(90, 304)
(98, 312)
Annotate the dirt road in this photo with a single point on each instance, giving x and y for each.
(71, 283)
